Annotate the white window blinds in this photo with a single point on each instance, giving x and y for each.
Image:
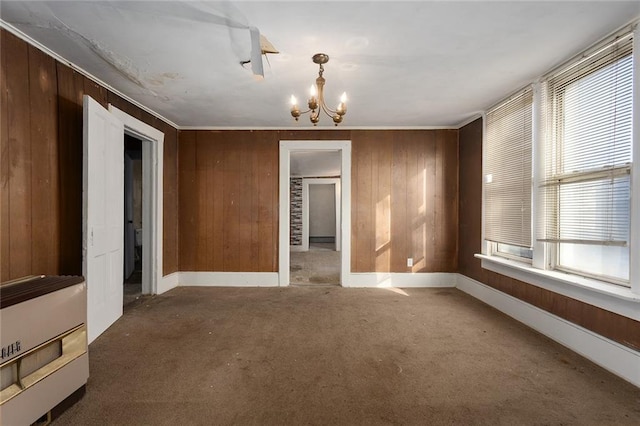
(586, 188)
(507, 168)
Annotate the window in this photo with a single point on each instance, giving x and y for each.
(586, 187)
(507, 176)
(570, 138)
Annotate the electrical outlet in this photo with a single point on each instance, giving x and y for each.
(409, 261)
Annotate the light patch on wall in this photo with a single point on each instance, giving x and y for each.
(44, 80)
(383, 233)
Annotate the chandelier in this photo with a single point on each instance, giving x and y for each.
(316, 101)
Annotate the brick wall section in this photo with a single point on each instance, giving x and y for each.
(296, 212)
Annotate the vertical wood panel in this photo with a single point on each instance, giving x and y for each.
(44, 153)
(5, 175)
(218, 183)
(373, 229)
(230, 198)
(188, 200)
(263, 158)
(268, 204)
(399, 228)
(363, 209)
(421, 206)
(470, 199)
(382, 206)
(19, 123)
(245, 202)
(204, 225)
(449, 247)
(415, 218)
(440, 204)
(253, 158)
(70, 91)
(430, 202)
(446, 200)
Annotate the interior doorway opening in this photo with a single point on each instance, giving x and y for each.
(297, 173)
(133, 223)
(152, 145)
(322, 216)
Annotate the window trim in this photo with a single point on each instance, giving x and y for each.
(634, 226)
(493, 250)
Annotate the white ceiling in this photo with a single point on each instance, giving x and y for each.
(402, 64)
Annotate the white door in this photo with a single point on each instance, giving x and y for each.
(103, 223)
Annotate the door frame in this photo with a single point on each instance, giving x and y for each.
(152, 197)
(344, 146)
(305, 208)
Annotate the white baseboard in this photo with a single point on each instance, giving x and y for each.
(619, 359)
(403, 280)
(168, 282)
(270, 279)
(229, 279)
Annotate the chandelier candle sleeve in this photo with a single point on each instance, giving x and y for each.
(316, 102)
(295, 112)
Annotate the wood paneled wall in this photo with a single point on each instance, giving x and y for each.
(470, 218)
(41, 164)
(404, 199)
(229, 197)
(228, 201)
(616, 327)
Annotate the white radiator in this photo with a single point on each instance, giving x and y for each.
(43, 338)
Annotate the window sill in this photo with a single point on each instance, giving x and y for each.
(613, 298)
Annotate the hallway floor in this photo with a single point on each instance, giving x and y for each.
(318, 266)
(133, 286)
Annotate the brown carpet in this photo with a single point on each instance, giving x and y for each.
(313, 355)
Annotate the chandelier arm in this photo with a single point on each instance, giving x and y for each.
(328, 111)
(321, 103)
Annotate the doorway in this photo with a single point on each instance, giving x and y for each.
(321, 212)
(152, 152)
(316, 259)
(341, 190)
(133, 226)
